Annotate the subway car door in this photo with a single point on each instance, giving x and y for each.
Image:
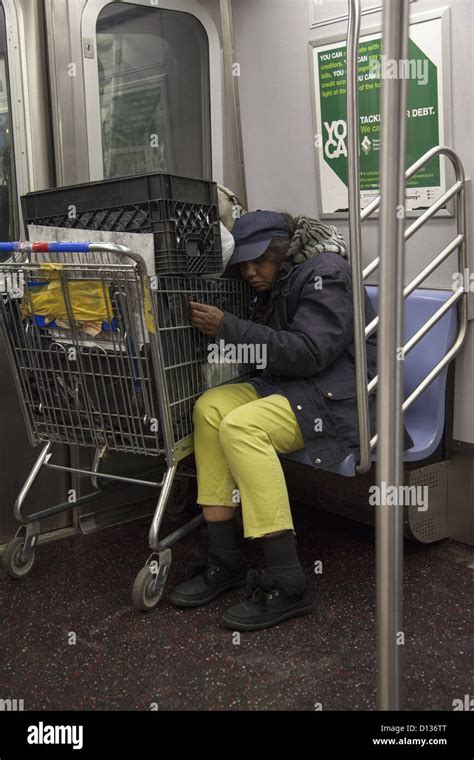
(18, 174)
(131, 88)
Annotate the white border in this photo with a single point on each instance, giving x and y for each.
(445, 168)
(91, 81)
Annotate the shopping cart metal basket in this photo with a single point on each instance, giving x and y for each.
(104, 356)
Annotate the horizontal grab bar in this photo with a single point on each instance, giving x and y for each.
(438, 150)
(431, 211)
(423, 330)
(428, 214)
(421, 387)
(436, 370)
(421, 277)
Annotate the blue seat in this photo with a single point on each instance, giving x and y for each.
(424, 419)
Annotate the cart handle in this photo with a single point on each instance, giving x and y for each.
(26, 247)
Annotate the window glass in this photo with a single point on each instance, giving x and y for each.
(154, 91)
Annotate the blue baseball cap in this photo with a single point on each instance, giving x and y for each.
(253, 233)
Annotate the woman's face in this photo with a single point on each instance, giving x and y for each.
(261, 272)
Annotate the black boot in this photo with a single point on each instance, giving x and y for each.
(222, 570)
(279, 593)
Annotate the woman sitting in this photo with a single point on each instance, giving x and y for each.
(305, 397)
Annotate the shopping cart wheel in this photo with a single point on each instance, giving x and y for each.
(150, 582)
(12, 561)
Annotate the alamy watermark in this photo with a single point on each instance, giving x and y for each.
(463, 280)
(237, 353)
(45, 734)
(400, 68)
(467, 703)
(12, 705)
(399, 496)
(12, 284)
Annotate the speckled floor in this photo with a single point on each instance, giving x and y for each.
(183, 659)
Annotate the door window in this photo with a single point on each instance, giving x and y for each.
(154, 91)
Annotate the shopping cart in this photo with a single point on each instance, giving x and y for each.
(104, 356)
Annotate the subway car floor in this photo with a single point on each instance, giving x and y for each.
(175, 659)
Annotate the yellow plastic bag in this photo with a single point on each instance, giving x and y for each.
(148, 309)
(89, 301)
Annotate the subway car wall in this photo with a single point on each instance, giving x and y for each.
(279, 129)
(76, 131)
(94, 95)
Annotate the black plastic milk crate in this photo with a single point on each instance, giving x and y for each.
(181, 212)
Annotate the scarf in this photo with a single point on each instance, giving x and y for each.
(311, 237)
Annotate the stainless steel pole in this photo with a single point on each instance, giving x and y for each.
(353, 163)
(232, 100)
(389, 519)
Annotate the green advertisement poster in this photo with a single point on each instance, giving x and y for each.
(424, 112)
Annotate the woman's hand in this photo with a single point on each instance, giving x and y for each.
(206, 318)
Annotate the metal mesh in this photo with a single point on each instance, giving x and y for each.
(76, 388)
(185, 349)
(100, 389)
(186, 235)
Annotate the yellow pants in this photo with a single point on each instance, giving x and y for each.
(237, 435)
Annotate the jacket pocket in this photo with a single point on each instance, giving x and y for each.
(338, 390)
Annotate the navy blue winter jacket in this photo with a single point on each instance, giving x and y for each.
(310, 353)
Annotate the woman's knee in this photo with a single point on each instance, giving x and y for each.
(234, 426)
(203, 406)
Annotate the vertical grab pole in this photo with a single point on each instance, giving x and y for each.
(389, 519)
(232, 100)
(353, 163)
